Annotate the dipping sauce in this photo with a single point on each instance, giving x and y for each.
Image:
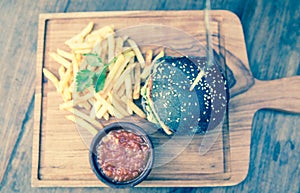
(122, 155)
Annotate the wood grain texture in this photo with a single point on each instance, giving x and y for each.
(60, 158)
(271, 33)
(17, 73)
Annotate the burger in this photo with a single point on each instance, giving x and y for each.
(169, 102)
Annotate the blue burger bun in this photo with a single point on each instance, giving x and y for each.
(169, 103)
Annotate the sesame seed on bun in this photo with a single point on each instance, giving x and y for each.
(169, 103)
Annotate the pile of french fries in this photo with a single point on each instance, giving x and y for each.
(123, 81)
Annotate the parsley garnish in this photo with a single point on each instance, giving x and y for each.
(99, 83)
(85, 78)
(93, 59)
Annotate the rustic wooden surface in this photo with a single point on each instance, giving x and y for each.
(272, 40)
(61, 159)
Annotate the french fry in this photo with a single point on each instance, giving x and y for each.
(95, 38)
(118, 104)
(109, 97)
(61, 71)
(109, 107)
(75, 64)
(127, 59)
(124, 99)
(75, 101)
(78, 57)
(72, 87)
(100, 33)
(131, 73)
(123, 76)
(60, 59)
(137, 81)
(86, 30)
(147, 70)
(82, 123)
(104, 48)
(198, 78)
(122, 83)
(97, 48)
(106, 116)
(75, 95)
(136, 109)
(101, 112)
(80, 37)
(119, 46)
(111, 47)
(128, 91)
(66, 55)
(148, 57)
(125, 38)
(126, 49)
(118, 72)
(158, 56)
(92, 101)
(85, 105)
(112, 73)
(131, 62)
(137, 51)
(67, 95)
(121, 90)
(93, 113)
(51, 77)
(85, 117)
(65, 79)
(83, 51)
(96, 105)
(75, 46)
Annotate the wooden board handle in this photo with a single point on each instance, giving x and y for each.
(280, 94)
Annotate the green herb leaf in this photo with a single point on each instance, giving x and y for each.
(99, 84)
(84, 79)
(93, 59)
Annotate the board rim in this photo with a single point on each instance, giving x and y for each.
(36, 181)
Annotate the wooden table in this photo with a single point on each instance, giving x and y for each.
(273, 43)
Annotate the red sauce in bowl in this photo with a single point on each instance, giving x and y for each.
(122, 155)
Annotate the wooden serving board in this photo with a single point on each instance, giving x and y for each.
(60, 148)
